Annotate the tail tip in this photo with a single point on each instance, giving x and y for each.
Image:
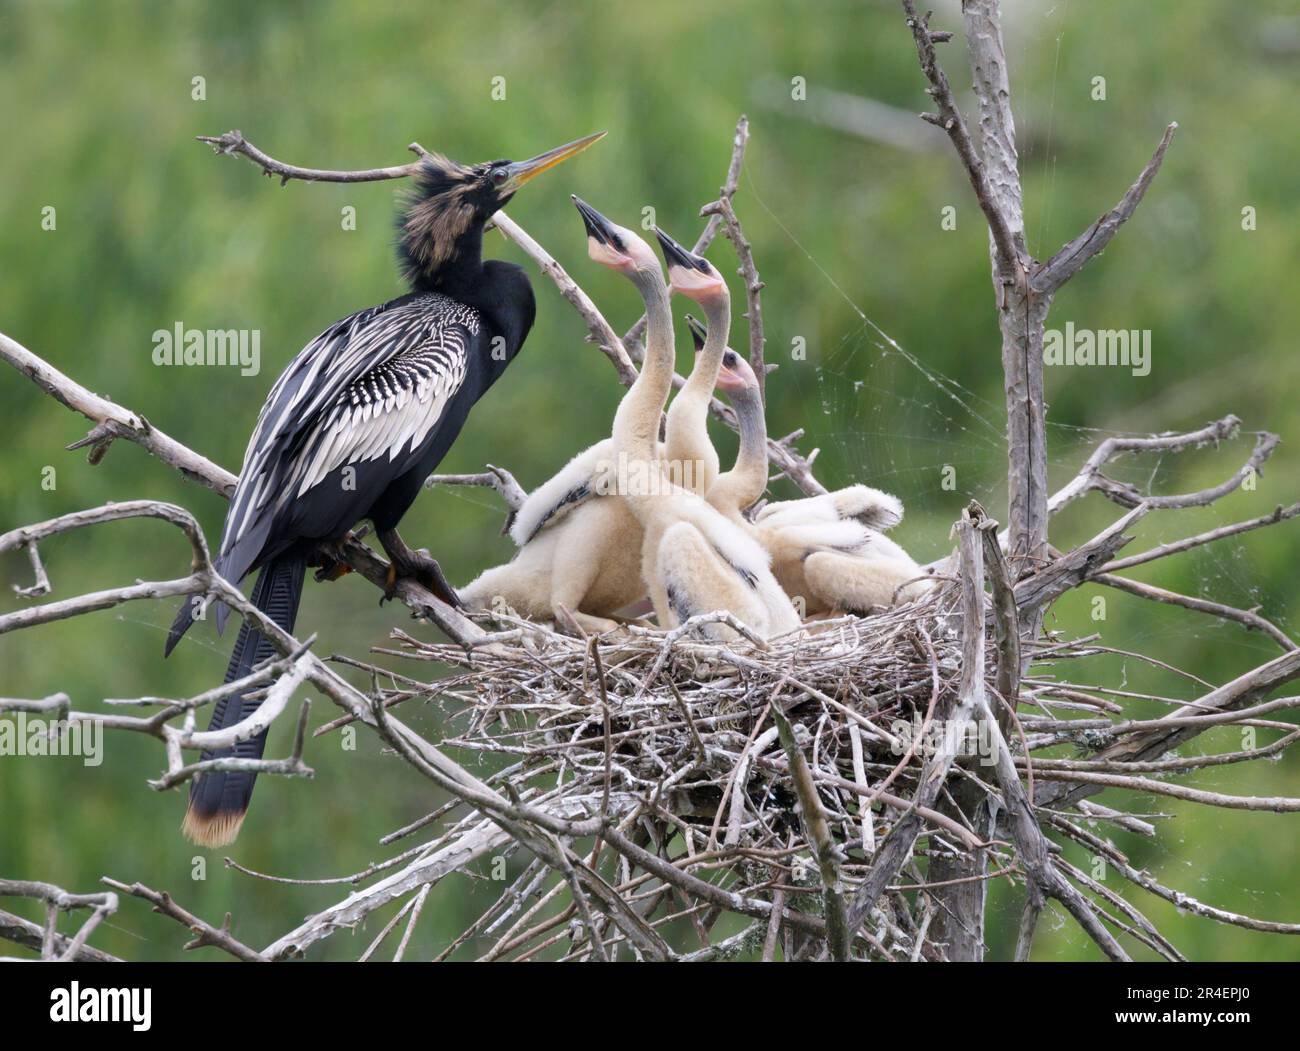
(179, 627)
(212, 830)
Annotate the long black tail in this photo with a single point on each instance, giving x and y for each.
(219, 799)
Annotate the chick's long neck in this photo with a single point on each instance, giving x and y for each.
(692, 401)
(636, 424)
(742, 486)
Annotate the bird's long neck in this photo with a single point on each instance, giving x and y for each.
(698, 389)
(742, 486)
(636, 423)
(459, 271)
(440, 231)
(688, 416)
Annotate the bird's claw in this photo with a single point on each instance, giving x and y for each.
(423, 568)
(332, 569)
(390, 586)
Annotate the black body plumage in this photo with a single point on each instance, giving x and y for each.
(356, 423)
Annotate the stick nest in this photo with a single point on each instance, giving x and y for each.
(674, 738)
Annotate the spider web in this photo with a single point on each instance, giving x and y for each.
(890, 419)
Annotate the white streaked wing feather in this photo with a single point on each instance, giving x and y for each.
(379, 429)
(327, 371)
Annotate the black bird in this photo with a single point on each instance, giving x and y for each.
(360, 418)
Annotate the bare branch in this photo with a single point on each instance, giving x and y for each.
(1028, 922)
(1279, 514)
(1273, 804)
(897, 845)
(949, 118)
(233, 142)
(1051, 275)
(52, 945)
(204, 933)
(714, 225)
(602, 334)
(497, 478)
(1129, 496)
(33, 936)
(996, 131)
(41, 585)
(724, 209)
(1252, 620)
(1181, 725)
(1030, 842)
(1006, 617)
(115, 421)
(1090, 475)
(818, 832)
(1076, 567)
(1183, 901)
(100, 600)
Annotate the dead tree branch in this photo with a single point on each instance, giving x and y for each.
(1024, 288)
(122, 423)
(725, 210)
(33, 936)
(112, 421)
(648, 748)
(1050, 276)
(784, 458)
(51, 944)
(204, 933)
(817, 830)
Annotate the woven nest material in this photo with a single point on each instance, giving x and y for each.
(540, 694)
(674, 736)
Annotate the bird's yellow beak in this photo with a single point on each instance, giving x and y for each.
(522, 171)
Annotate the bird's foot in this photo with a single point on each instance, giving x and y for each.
(330, 565)
(331, 569)
(423, 568)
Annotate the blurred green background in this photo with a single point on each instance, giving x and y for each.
(846, 226)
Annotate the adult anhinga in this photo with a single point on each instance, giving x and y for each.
(358, 421)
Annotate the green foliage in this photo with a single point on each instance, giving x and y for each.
(152, 229)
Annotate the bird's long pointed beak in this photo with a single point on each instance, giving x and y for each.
(523, 171)
(676, 255)
(698, 332)
(597, 225)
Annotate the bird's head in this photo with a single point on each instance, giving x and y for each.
(615, 246)
(736, 374)
(443, 216)
(692, 275)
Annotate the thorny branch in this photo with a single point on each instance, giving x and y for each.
(725, 210)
